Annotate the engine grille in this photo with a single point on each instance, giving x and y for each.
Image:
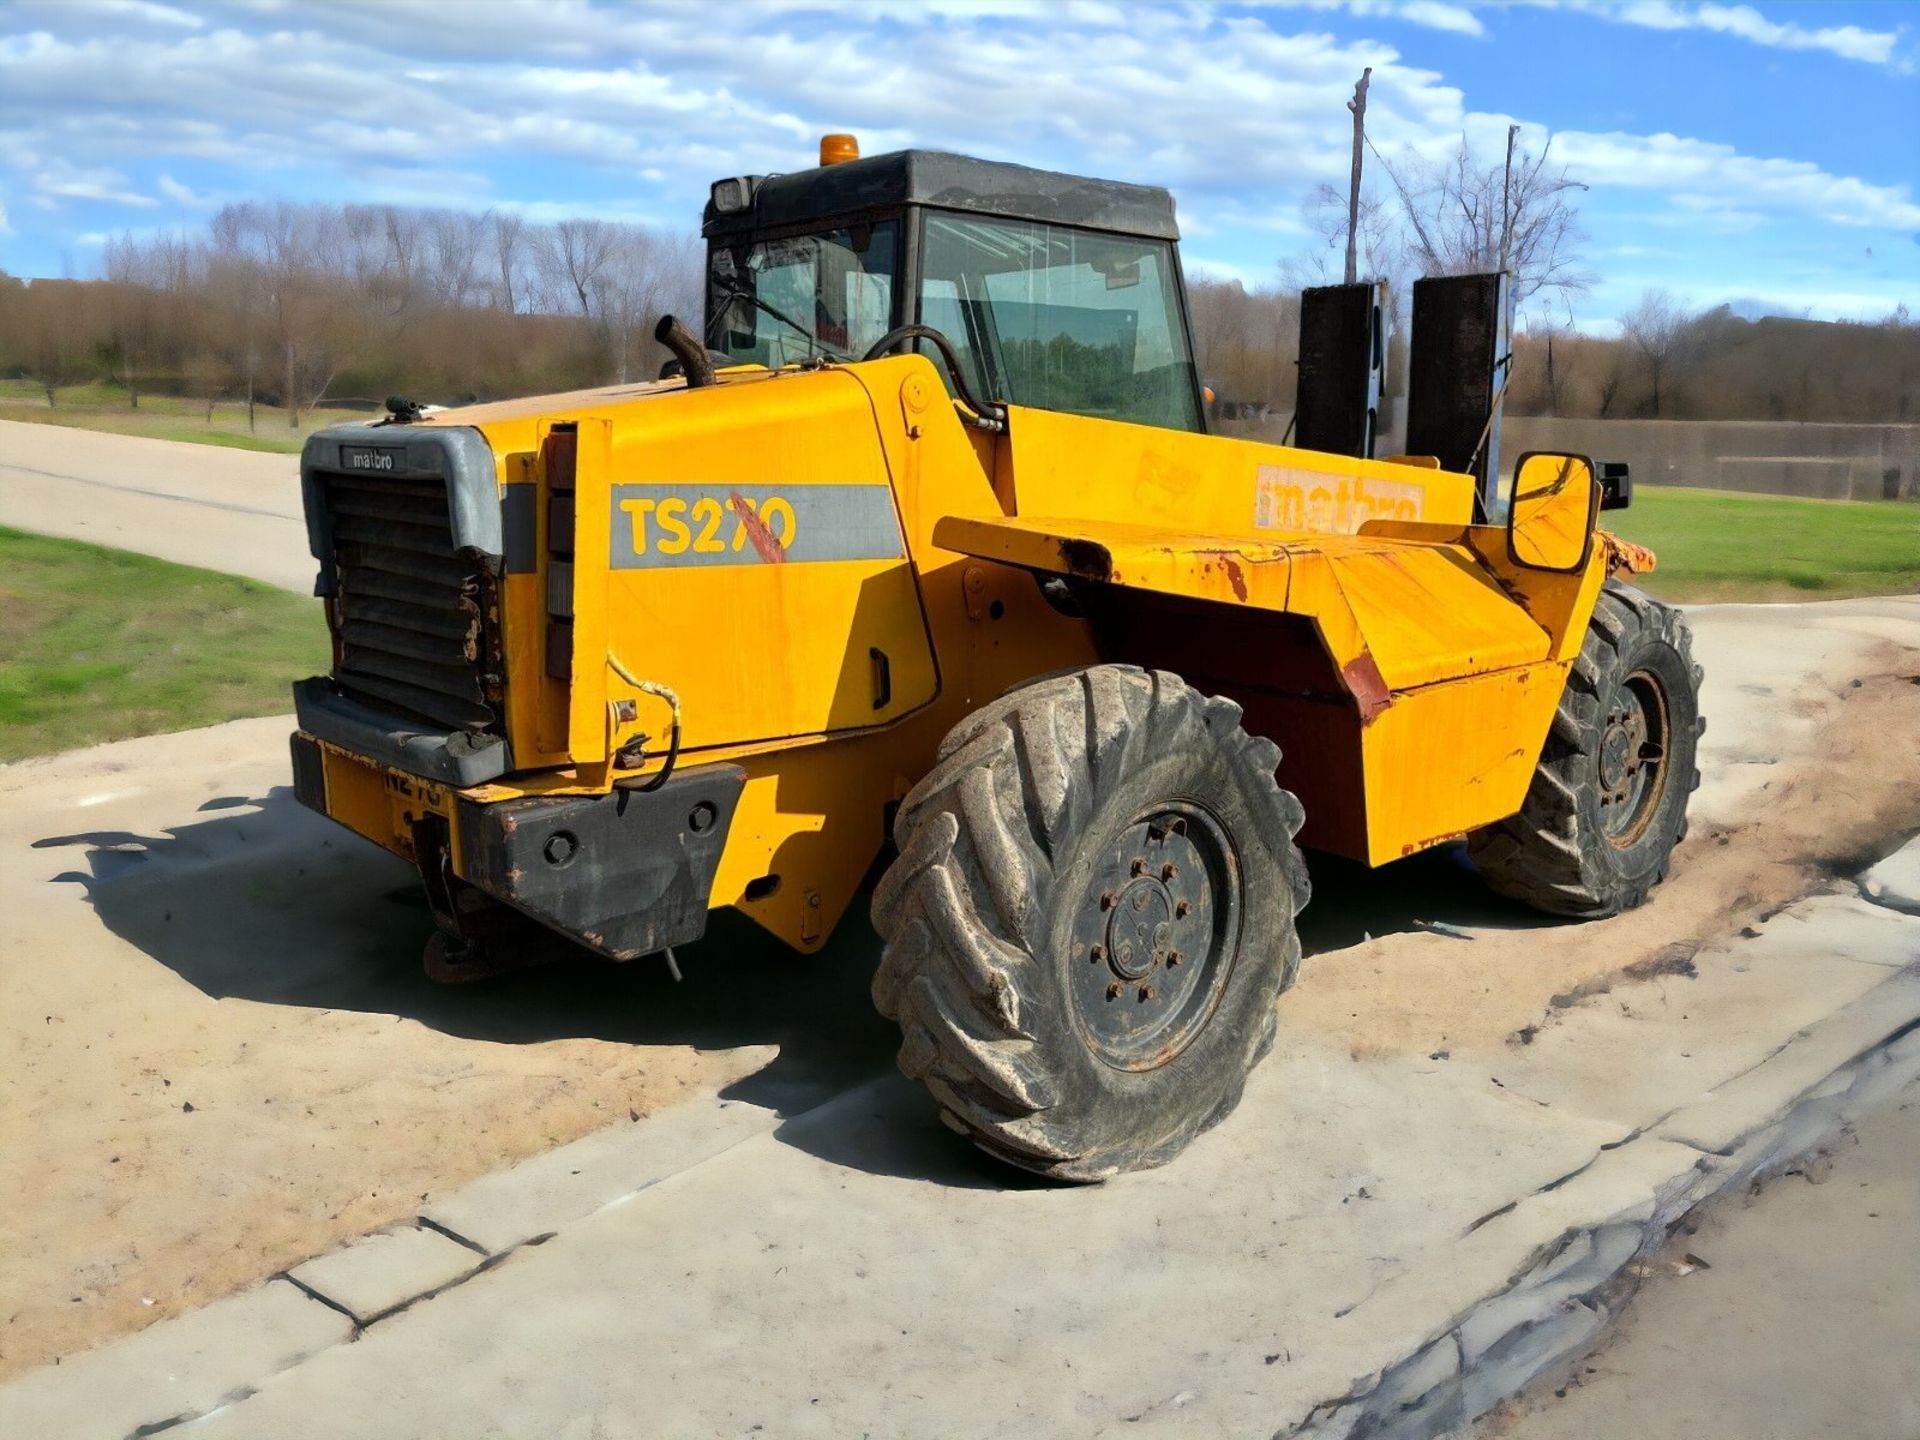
(410, 613)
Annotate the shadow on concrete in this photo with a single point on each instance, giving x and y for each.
(265, 901)
(1352, 904)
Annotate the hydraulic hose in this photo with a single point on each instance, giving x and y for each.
(992, 415)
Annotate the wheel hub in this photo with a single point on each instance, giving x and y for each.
(1632, 758)
(1154, 937)
(1138, 928)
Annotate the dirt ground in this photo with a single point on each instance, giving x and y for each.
(1829, 810)
(220, 1056)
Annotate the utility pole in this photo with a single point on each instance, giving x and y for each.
(1358, 105)
(1506, 206)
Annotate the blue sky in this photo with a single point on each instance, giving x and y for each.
(1766, 154)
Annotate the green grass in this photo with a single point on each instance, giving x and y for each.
(1718, 545)
(99, 644)
(166, 417)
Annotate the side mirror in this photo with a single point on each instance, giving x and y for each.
(1555, 503)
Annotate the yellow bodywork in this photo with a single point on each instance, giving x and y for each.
(829, 569)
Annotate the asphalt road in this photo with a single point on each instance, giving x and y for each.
(1794, 1314)
(231, 510)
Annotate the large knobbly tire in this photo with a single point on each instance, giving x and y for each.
(1609, 800)
(1090, 920)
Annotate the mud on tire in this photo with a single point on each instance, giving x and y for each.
(1600, 822)
(1090, 920)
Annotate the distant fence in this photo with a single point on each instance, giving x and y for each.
(1827, 462)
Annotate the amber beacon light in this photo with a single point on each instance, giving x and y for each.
(837, 149)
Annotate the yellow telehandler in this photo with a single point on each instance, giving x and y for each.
(928, 541)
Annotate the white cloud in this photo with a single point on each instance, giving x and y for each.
(181, 194)
(138, 11)
(5, 228)
(60, 180)
(1432, 14)
(1849, 42)
(1713, 174)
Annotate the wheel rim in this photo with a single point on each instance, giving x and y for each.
(1154, 937)
(1633, 758)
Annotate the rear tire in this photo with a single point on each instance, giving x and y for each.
(1090, 920)
(1609, 800)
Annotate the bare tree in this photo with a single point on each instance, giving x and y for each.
(1655, 332)
(1466, 216)
(577, 252)
(1379, 252)
(455, 240)
(508, 256)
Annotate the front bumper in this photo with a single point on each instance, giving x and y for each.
(626, 874)
(448, 757)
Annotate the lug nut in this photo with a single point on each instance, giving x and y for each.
(1183, 909)
(1146, 993)
(1139, 867)
(1174, 957)
(1098, 954)
(1169, 870)
(1113, 991)
(1107, 899)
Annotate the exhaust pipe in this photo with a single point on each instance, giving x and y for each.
(692, 355)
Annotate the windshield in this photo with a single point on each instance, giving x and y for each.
(776, 302)
(1061, 319)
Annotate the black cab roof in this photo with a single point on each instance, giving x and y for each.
(952, 182)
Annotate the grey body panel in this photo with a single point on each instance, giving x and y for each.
(457, 453)
(458, 758)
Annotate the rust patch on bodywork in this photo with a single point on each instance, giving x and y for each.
(1235, 578)
(1087, 559)
(1367, 685)
(1417, 846)
(1623, 557)
(761, 538)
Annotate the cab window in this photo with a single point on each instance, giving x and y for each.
(779, 301)
(1060, 319)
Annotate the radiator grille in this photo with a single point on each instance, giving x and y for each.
(409, 611)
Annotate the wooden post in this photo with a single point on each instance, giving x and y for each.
(1358, 105)
(1506, 205)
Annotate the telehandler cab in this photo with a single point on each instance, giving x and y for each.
(929, 539)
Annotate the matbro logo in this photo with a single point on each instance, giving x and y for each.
(1289, 499)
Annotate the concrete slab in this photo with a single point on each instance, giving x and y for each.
(378, 1273)
(1895, 881)
(1717, 1015)
(939, 1273)
(1753, 1100)
(209, 1357)
(533, 1199)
